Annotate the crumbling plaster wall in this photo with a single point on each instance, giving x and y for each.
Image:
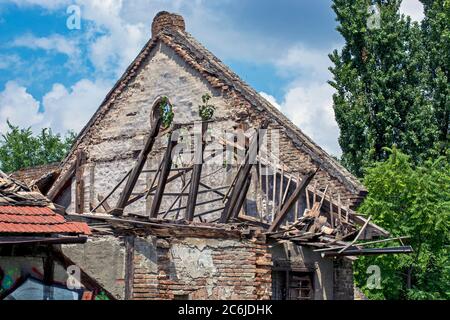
(200, 269)
(103, 258)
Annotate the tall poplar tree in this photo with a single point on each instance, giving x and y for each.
(380, 79)
(436, 35)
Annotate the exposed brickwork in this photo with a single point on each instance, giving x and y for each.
(165, 19)
(201, 269)
(343, 279)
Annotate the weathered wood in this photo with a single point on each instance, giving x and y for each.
(79, 182)
(323, 197)
(365, 244)
(175, 201)
(198, 215)
(249, 160)
(163, 176)
(196, 173)
(184, 207)
(241, 199)
(134, 176)
(291, 201)
(62, 182)
(142, 195)
(129, 267)
(112, 191)
(104, 203)
(152, 184)
(357, 237)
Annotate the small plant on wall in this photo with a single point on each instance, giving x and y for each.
(166, 112)
(206, 110)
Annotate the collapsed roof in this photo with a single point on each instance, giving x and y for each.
(325, 222)
(26, 216)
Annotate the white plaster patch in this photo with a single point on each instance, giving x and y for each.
(192, 262)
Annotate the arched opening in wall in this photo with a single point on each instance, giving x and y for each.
(162, 112)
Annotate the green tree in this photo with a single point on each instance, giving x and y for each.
(436, 35)
(19, 148)
(380, 77)
(411, 201)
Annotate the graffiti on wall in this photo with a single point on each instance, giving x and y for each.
(23, 279)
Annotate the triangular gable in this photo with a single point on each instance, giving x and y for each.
(220, 77)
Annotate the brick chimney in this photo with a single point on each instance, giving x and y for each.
(165, 20)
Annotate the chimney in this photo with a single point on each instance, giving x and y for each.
(168, 20)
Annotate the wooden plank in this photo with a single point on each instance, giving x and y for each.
(104, 203)
(357, 237)
(112, 191)
(129, 267)
(332, 214)
(165, 171)
(134, 176)
(79, 182)
(62, 182)
(365, 244)
(184, 207)
(177, 199)
(291, 201)
(142, 195)
(196, 174)
(323, 197)
(242, 198)
(267, 192)
(253, 151)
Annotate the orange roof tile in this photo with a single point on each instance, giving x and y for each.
(37, 220)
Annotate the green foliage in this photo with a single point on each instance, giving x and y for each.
(411, 201)
(436, 35)
(167, 113)
(382, 81)
(206, 110)
(19, 148)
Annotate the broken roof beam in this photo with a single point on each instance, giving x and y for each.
(134, 176)
(164, 174)
(143, 194)
(301, 187)
(241, 182)
(196, 173)
(370, 251)
(62, 182)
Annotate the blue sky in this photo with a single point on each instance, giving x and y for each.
(51, 76)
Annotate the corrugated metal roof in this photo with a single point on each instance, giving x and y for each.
(37, 220)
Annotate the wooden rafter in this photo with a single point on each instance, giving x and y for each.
(196, 174)
(164, 175)
(291, 201)
(241, 182)
(134, 176)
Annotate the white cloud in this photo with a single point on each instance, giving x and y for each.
(19, 107)
(311, 62)
(413, 8)
(48, 4)
(70, 109)
(125, 26)
(64, 108)
(53, 42)
(9, 61)
(310, 107)
(271, 99)
(308, 101)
